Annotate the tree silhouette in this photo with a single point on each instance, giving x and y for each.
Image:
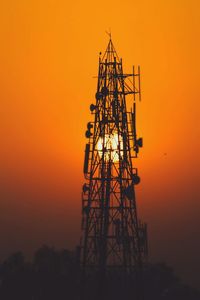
(54, 275)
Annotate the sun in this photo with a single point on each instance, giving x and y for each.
(112, 144)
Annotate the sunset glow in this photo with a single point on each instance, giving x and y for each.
(49, 64)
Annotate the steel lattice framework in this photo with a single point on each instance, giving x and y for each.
(113, 238)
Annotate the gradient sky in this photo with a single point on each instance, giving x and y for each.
(49, 58)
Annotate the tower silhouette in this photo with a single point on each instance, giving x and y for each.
(114, 241)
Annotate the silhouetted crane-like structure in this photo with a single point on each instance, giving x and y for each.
(114, 240)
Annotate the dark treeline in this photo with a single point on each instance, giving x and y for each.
(55, 275)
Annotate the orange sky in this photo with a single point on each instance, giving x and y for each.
(49, 56)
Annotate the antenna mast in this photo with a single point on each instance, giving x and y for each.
(114, 241)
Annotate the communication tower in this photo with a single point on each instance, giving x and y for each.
(114, 241)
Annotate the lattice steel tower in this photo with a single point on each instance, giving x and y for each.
(113, 239)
